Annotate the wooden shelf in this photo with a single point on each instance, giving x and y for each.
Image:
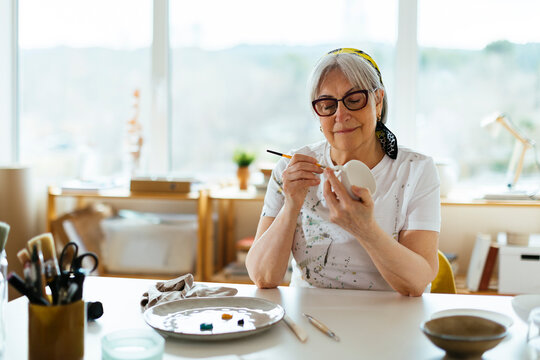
(212, 258)
(122, 193)
(55, 192)
(480, 202)
(233, 193)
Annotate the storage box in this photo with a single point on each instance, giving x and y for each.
(176, 185)
(150, 243)
(519, 268)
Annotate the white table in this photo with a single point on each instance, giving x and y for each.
(371, 324)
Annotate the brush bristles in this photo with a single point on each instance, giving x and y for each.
(23, 256)
(35, 241)
(46, 242)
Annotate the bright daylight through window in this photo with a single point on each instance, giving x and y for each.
(475, 64)
(238, 77)
(240, 81)
(80, 64)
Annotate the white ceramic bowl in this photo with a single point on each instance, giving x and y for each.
(357, 173)
(523, 304)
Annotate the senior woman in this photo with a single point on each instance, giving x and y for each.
(381, 241)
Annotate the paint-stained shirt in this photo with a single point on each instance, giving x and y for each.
(324, 254)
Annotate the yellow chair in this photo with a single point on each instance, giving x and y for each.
(444, 281)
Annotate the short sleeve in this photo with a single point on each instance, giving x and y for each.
(274, 199)
(424, 207)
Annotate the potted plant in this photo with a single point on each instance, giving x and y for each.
(243, 159)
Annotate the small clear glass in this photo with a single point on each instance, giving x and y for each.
(132, 344)
(3, 301)
(533, 334)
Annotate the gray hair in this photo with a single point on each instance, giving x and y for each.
(356, 69)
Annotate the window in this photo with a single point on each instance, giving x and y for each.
(238, 75)
(80, 64)
(239, 80)
(473, 64)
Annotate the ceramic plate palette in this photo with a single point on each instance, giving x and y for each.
(205, 318)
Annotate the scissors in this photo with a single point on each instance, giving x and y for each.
(70, 257)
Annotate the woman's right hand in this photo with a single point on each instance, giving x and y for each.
(301, 173)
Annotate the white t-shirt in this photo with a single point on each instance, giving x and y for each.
(325, 255)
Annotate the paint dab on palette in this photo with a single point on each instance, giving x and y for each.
(206, 326)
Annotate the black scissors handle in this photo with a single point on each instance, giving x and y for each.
(77, 263)
(71, 261)
(68, 256)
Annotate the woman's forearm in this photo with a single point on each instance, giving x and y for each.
(405, 270)
(268, 258)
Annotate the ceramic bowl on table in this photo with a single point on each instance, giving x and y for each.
(523, 304)
(463, 336)
(502, 319)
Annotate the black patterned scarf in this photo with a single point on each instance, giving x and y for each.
(387, 139)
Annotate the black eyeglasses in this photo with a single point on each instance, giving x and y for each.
(328, 106)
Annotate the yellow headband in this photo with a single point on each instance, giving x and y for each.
(359, 53)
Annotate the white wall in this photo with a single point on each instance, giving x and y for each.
(460, 224)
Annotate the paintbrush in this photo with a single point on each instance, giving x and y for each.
(319, 325)
(37, 277)
(290, 157)
(24, 258)
(35, 298)
(50, 264)
(4, 231)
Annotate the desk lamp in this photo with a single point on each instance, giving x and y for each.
(493, 124)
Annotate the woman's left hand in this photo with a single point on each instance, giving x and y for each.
(408, 265)
(355, 216)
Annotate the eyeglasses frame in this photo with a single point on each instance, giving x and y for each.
(365, 92)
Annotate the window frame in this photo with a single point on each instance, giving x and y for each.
(9, 90)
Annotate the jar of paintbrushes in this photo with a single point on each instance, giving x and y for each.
(54, 287)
